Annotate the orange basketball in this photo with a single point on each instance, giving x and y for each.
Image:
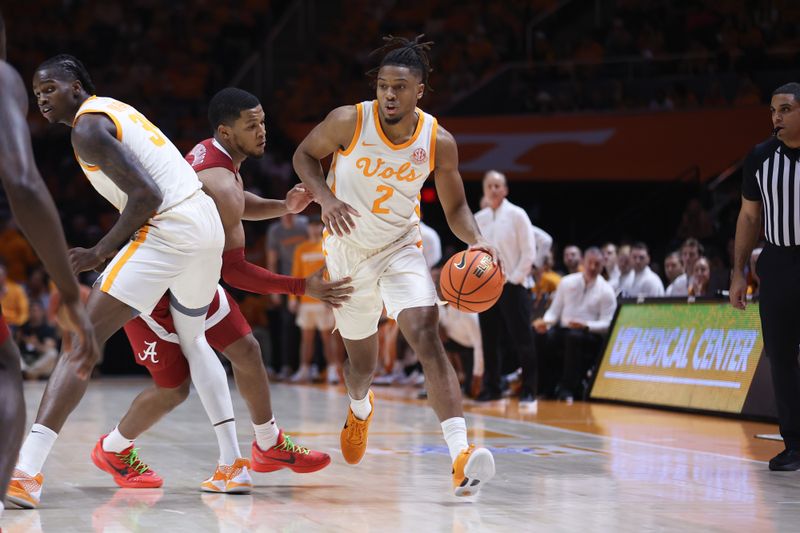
(471, 281)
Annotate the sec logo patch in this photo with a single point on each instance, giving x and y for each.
(419, 156)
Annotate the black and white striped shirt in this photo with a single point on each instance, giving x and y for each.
(771, 177)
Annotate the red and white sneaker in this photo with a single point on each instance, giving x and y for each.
(25, 490)
(125, 467)
(287, 454)
(230, 479)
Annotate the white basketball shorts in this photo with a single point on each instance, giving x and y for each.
(395, 276)
(179, 250)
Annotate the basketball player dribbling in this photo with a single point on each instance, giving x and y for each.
(175, 243)
(383, 151)
(237, 120)
(35, 212)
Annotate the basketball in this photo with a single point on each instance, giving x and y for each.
(471, 281)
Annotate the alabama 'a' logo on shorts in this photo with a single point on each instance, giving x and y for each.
(149, 353)
(419, 156)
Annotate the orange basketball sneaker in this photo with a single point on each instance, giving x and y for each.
(471, 470)
(230, 479)
(354, 434)
(125, 467)
(25, 490)
(287, 454)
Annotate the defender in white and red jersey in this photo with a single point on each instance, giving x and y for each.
(384, 150)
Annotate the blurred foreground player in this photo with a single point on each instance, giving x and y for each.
(35, 212)
(383, 150)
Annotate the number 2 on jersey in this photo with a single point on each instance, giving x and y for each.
(387, 193)
(156, 139)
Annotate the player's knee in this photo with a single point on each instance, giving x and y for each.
(175, 396)
(363, 366)
(246, 353)
(424, 337)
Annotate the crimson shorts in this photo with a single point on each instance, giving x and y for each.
(5, 333)
(155, 344)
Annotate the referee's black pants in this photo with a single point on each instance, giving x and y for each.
(779, 270)
(510, 316)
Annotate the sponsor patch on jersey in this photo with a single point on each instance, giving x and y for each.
(419, 156)
(197, 155)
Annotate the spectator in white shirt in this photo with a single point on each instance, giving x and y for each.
(544, 243)
(508, 227)
(691, 250)
(431, 244)
(673, 267)
(610, 268)
(572, 258)
(625, 266)
(644, 282)
(571, 333)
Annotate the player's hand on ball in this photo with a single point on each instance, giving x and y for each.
(333, 293)
(484, 246)
(338, 216)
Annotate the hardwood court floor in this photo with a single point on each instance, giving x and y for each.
(582, 467)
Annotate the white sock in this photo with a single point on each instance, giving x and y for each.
(227, 441)
(35, 449)
(455, 434)
(266, 434)
(361, 408)
(115, 442)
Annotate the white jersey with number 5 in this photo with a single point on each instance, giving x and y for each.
(174, 177)
(382, 180)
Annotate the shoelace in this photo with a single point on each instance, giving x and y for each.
(288, 445)
(132, 459)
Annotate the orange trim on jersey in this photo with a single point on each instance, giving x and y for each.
(385, 139)
(333, 173)
(357, 133)
(419, 244)
(100, 112)
(125, 257)
(432, 148)
(86, 166)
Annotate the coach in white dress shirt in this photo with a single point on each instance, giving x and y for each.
(508, 227)
(644, 282)
(570, 335)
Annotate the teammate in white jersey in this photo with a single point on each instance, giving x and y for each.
(383, 151)
(176, 245)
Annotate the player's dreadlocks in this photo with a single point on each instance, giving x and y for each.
(71, 66)
(403, 52)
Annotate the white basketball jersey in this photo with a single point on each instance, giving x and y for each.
(174, 177)
(382, 180)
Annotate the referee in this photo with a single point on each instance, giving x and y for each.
(771, 184)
